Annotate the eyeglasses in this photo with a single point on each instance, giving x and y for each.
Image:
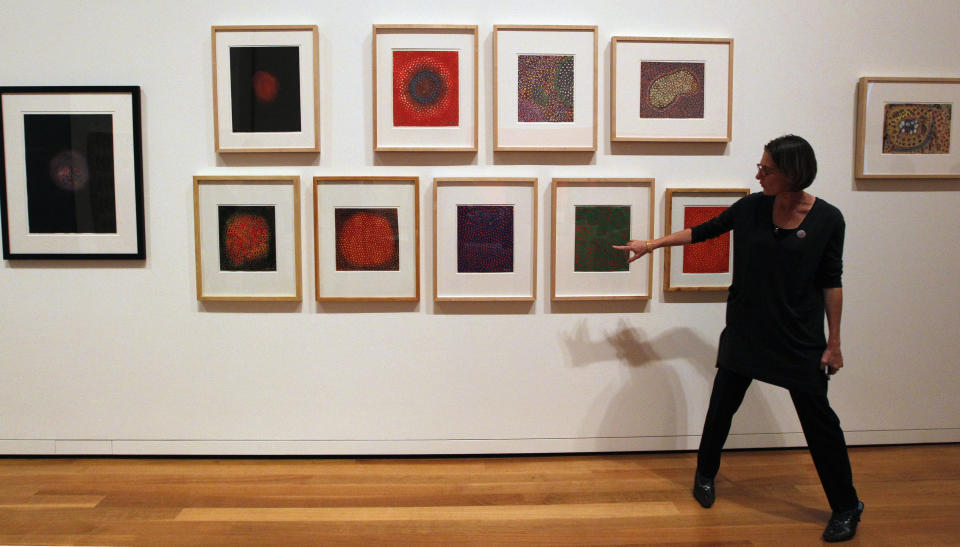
(765, 170)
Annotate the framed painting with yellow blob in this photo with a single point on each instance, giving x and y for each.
(671, 89)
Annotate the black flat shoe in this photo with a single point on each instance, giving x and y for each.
(843, 525)
(704, 491)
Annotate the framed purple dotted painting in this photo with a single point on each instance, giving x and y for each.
(545, 88)
(265, 88)
(71, 183)
(485, 239)
(907, 128)
(425, 88)
(367, 238)
(671, 89)
(247, 238)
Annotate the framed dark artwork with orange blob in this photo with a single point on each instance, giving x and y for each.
(425, 88)
(545, 88)
(266, 93)
(485, 239)
(265, 89)
(703, 266)
(907, 128)
(590, 216)
(247, 238)
(671, 89)
(367, 238)
(70, 173)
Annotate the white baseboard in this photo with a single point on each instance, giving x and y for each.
(123, 447)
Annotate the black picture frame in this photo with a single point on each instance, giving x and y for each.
(92, 165)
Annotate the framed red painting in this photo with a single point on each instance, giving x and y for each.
(704, 266)
(425, 88)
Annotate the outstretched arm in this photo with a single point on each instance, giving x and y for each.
(641, 247)
(833, 303)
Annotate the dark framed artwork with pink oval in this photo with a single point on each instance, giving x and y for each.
(367, 238)
(71, 184)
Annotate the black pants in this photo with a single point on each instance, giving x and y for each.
(820, 424)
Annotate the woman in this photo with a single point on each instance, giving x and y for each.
(787, 265)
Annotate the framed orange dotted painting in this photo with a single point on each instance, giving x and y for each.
(247, 237)
(907, 128)
(671, 89)
(367, 238)
(704, 266)
(425, 88)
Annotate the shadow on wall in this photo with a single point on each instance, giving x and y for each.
(649, 399)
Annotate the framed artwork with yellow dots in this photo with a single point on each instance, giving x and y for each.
(671, 89)
(907, 128)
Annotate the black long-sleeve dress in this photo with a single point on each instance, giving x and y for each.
(775, 309)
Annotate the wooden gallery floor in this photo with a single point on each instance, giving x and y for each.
(912, 497)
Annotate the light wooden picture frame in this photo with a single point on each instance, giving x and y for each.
(425, 88)
(704, 266)
(671, 89)
(484, 239)
(545, 88)
(589, 216)
(266, 88)
(908, 128)
(366, 238)
(71, 173)
(247, 238)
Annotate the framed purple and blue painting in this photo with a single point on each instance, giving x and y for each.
(485, 239)
(71, 178)
(544, 88)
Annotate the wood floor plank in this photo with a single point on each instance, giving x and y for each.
(765, 497)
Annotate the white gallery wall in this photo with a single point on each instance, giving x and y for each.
(119, 357)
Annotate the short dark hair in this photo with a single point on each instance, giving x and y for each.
(794, 157)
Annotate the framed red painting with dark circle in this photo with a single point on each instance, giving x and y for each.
(426, 90)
